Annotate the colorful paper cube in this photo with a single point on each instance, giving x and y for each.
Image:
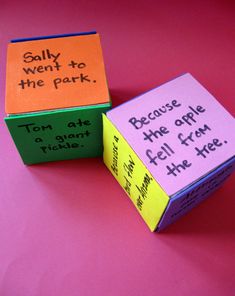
(56, 92)
(169, 149)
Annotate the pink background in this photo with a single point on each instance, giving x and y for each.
(67, 228)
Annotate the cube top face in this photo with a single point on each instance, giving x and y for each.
(179, 131)
(55, 73)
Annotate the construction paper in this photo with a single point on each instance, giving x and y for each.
(56, 91)
(186, 200)
(53, 36)
(178, 130)
(57, 135)
(146, 194)
(55, 73)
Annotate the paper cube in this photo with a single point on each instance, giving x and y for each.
(56, 92)
(169, 149)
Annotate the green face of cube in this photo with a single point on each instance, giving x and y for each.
(58, 135)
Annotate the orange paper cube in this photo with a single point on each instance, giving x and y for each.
(50, 75)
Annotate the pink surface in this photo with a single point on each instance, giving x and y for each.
(184, 95)
(67, 228)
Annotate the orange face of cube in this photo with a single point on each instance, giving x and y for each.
(55, 73)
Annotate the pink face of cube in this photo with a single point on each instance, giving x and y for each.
(179, 131)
